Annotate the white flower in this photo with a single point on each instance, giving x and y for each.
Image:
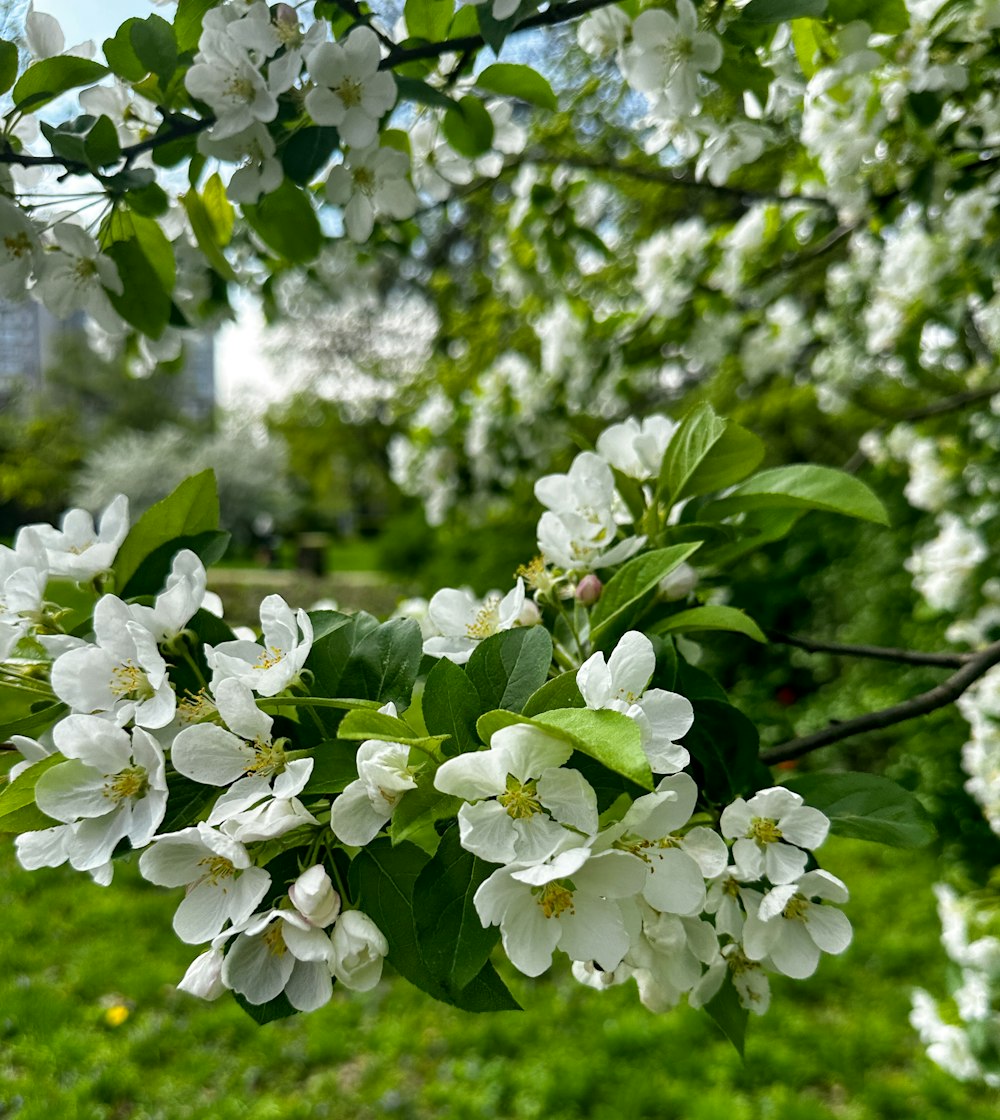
(222, 883)
(24, 571)
(312, 894)
(225, 77)
(678, 865)
(371, 181)
(123, 674)
(635, 448)
(112, 788)
(437, 167)
(46, 39)
(350, 90)
(668, 54)
(280, 951)
(359, 948)
(761, 826)
(245, 755)
(736, 145)
(569, 902)
(77, 276)
(270, 667)
(76, 550)
(260, 171)
(526, 806)
(462, 621)
(204, 976)
(749, 980)
(365, 806)
(20, 250)
(667, 958)
(620, 684)
(790, 930)
(181, 597)
(603, 33)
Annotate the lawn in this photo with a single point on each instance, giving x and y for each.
(91, 1027)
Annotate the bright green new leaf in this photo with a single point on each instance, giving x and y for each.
(611, 738)
(204, 231)
(428, 19)
(47, 79)
(192, 508)
(18, 812)
(560, 692)
(802, 486)
(625, 593)
(514, 80)
(415, 817)
(219, 209)
(361, 724)
(711, 618)
(867, 807)
(707, 453)
(187, 22)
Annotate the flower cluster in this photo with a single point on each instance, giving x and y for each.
(285, 781)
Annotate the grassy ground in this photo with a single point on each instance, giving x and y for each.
(91, 1029)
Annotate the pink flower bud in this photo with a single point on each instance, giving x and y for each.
(588, 590)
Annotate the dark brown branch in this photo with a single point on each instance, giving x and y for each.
(940, 697)
(876, 653)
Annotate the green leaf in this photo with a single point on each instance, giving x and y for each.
(415, 817)
(707, 453)
(468, 127)
(429, 19)
(334, 767)
(18, 812)
(358, 657)
(191, 509)
(508, 667)
(187, 802)
(151, 575)
(724, 745)
(455, 944)
(711, 618)
(802, 486)
(610, 737)
(362, 724)
(413, 89)
(886, 17)
(777, 11)
(155, 47)
(187, 22)
(624, 593)
(495, 31)
(514, 80)
(286, 222)
(264, 1013)
(47, 79)
(31, 724)
(729, 1015)
(85, 139)
(121, 56)
(867, 807)
(560, 692)
(450, 705)
(382, 879)
(219, 209)
(307, 152)
(145, 260)
(204, 231)
(8, 64)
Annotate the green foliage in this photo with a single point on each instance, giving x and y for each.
(286, 221)
(707, 453)
(515, 80)
(867, 807)
(507, 668)
(8, 64)
(611, 738)
(44, 80)
(713, 617)
(802, 486)
(468, 127)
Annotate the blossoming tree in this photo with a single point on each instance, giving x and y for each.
(780, 185)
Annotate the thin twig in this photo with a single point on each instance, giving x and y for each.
(876, 653)
(940, 697)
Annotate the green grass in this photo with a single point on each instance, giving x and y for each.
(836, 1046)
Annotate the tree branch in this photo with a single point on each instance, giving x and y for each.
(876, 653)
(940, 697)
(554, 14)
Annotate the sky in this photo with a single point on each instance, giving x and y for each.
(245, 379)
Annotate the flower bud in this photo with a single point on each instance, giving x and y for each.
(679, 583)
(285, 13)
(529, 615)
(204, 976)
(588, 590)
(312, 894)
(358, 949)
